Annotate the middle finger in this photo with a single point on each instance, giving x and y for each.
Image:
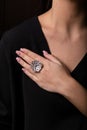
(26, 58)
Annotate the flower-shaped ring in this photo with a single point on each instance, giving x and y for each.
(36, 66)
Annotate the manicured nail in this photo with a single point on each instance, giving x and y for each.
(22, 49)
(24, 70)
(45, 52)
(17, 52)
(17, 58)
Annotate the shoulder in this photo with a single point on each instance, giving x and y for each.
(20, 34)
(21, 30)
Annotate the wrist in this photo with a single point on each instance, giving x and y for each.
(67, 86)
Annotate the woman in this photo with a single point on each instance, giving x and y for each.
(50, 91)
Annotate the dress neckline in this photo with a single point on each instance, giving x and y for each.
(46, 46)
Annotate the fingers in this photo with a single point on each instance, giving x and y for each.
(29, 56)
(24, 65)
(24, 57)
(25, 61)
(32, 55)
(51, 57)
(32, 76)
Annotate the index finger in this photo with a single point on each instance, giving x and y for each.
(33, 55)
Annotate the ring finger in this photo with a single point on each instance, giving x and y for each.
(24, 64)
(24, 57)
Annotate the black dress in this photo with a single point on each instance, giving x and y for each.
(23, 104)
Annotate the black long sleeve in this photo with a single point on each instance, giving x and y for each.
(23, 104)
(5, 103)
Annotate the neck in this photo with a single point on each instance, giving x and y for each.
(63, 14)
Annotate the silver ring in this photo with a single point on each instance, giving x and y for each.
(36, 66)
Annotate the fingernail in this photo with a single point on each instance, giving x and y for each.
(23, 70)
(22, 49)
(45, 52)
(17, 58)
(17, 52)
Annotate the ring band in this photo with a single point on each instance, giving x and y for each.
(36, 66)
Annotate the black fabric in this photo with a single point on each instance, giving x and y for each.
(23, 104)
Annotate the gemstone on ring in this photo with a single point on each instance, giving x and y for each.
(36, 66)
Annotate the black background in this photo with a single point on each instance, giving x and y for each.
(13, 12)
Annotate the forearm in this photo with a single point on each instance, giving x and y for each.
(68, 87)
(76, 94)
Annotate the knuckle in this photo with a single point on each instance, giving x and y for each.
(23, 56)
(23, 63)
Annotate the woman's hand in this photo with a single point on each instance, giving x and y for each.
(54, 77)
(54, 74)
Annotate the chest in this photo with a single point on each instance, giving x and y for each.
(70, 53)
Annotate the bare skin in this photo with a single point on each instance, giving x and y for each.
(67, 41)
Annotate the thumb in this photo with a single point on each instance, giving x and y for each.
(51, 57)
